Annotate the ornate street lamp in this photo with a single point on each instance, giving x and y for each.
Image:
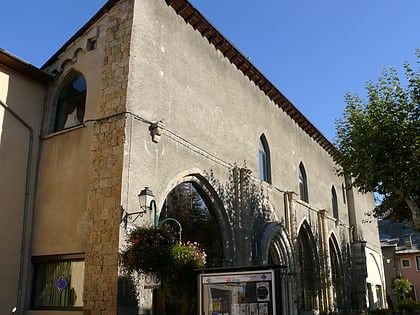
(147, 204)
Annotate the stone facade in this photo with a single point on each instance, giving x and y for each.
(170, 101)
(105, 174)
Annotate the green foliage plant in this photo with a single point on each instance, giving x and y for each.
(401, 285)
(408, 305)
(155, 250)
(378, 142)
(147, 250)
(186, 258)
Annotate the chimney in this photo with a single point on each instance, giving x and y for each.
(407, 241)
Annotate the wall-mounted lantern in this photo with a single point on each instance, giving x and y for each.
(147, 204)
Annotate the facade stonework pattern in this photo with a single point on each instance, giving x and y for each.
(107, 153)
(170, 102)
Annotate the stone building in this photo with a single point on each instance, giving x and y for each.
(401, 257)
(149, 94)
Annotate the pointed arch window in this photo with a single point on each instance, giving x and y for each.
(70, 108)
(334, 202)
(264, 160)
(303, 184)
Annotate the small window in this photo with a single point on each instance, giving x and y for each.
(343, 189)
(70, 108)
(303, 184)
(334, 202)
(418, 263)
(57, 282)
(264, 160)
(91, 44)
(405, 263)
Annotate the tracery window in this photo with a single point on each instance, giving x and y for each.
(70, 108)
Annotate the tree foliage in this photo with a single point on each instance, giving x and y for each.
(378, 140)
(187, 205)
(401, 285)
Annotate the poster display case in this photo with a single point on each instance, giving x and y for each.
(247, 292)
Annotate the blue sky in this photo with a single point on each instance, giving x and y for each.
(312, 51)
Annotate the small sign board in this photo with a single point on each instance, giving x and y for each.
(151, 281)
(61, 284)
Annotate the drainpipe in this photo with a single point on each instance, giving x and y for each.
(26, 201)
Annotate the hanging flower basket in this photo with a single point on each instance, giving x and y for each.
(147, 250)
(185, 259)
(155, 250)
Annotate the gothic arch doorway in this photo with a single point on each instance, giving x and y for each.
(338, 285)
(277, 249)
(191, 207)
(308, 272)
(195, 206)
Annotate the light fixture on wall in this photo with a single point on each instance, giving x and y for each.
(146, 202)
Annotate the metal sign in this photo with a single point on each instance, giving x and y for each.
(151, 281)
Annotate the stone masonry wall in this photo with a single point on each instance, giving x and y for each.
(105, 176)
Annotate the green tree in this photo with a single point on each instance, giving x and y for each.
(401, 286)
(378, 140)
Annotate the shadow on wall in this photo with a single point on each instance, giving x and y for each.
(127, 300)
(16, 169)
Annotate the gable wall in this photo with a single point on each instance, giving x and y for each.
(177, 76)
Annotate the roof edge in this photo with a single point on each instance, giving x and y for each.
(17, 64)
(105, 8)
(199, 23)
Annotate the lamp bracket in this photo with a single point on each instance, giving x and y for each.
(127, 217)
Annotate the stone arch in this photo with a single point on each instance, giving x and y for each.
(308, 269)
(277, 249)
(198, 179)
(69, 103)
(68, 62)
(276, 246)
(191, 200)
(337, 274)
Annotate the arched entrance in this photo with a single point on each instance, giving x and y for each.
(189, 205)
(192, 205)
(277, 249)
(308, 272)
(337, 274)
